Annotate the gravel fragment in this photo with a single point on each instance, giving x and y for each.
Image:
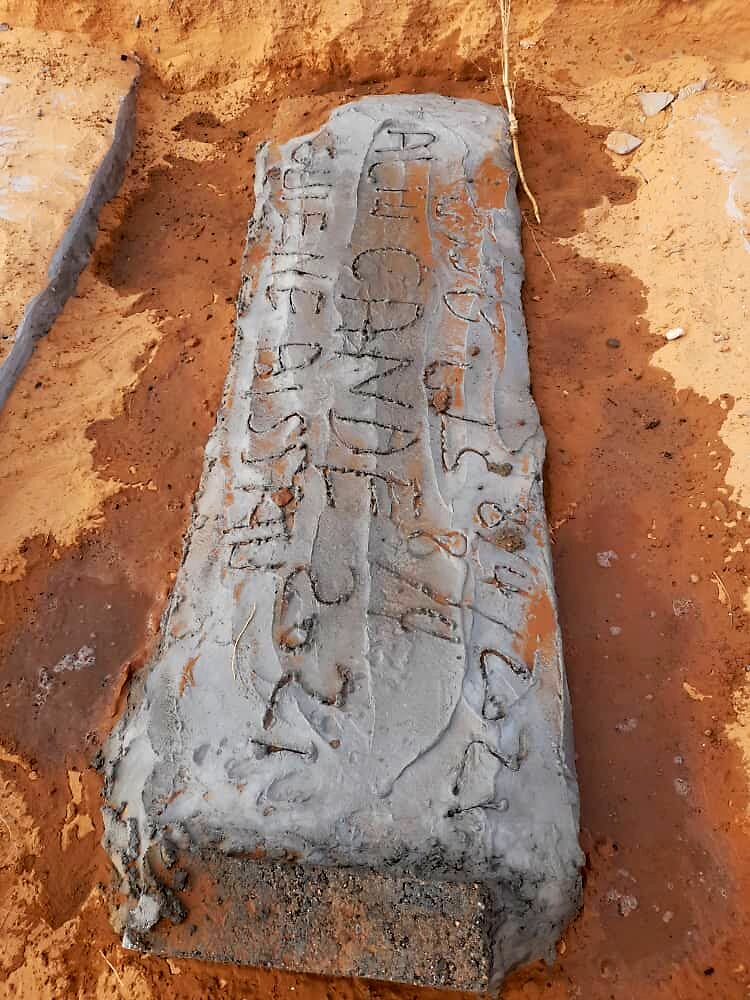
(605, 558)
(655, 101)
(690, 89)
(622, 142)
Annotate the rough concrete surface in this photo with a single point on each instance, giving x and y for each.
(360, 665)
(67, 118)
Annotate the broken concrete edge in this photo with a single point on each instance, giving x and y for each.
(394, 927)
(402, 928)
(74, 250)
(159, 912)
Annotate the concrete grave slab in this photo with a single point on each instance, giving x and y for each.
(352, 751)
(67, 117)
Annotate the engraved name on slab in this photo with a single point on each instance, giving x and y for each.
(360, 665)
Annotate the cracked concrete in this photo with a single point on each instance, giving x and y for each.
(360, 668)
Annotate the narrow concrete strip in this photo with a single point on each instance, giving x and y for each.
(352, 751)
(65, 196)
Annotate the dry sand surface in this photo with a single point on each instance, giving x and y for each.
(648, 478)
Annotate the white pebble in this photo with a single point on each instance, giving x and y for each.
(605, 558)
(622, 142)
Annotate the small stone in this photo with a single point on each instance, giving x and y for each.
(138, 20)
(5, 26)
(682, 606)
(682, 787)
(615, 630)
(627, 725)
(605, 558)
(694, 578)
(613, 342)
(667, 916)
(675, 333)
(690, 89)
(654, 101)
(626, 904)
(622, 142)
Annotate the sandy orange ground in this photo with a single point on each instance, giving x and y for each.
(648, 451)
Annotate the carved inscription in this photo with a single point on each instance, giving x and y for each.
(372, 406)
(372, 517)
(360, 665)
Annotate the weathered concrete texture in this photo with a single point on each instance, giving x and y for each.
(67, 120)
(336, 921)
(359, 695)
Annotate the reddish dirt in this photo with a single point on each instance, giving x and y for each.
(667, 881)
